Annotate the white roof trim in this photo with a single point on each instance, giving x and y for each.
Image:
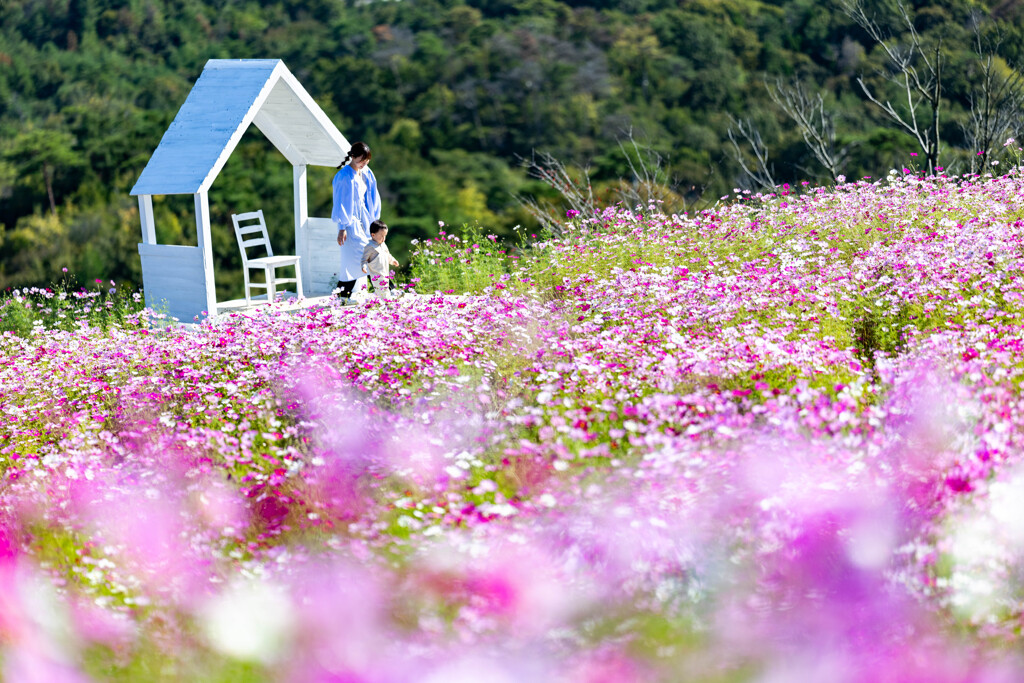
(228, 97)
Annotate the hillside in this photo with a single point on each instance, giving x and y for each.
(452, 97)
(759, 442)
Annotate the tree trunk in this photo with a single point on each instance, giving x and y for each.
(48, 179)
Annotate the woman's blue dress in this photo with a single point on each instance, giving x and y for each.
(355, 216)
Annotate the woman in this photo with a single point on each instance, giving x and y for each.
(356, 205)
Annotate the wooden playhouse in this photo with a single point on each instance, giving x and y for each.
(229, 96)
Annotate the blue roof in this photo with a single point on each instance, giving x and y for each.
(229, 96)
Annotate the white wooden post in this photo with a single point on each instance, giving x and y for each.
(302, 225)
(146, 214)
(204, 242)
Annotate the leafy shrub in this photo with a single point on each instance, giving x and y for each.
(65, 306)
(462, 264)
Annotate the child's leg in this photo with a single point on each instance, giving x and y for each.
(381, 286)
(361, 289)
(345, 288)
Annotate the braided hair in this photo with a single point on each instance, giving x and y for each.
(358, 150)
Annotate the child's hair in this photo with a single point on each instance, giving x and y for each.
(358, 150)
(377, 226)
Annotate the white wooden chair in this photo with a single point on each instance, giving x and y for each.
(248, 224)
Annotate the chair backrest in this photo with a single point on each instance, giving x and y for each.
(246, 227)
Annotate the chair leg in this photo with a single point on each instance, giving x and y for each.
(271, 285)
(298, 281)
(248, 289)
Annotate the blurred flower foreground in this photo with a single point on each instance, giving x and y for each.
(775, 441)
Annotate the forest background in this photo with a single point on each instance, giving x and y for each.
(467, 104)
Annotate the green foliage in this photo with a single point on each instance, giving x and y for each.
(877, 330)
(451, 96)
(459, 263)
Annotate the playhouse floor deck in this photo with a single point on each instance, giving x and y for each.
(286, 303)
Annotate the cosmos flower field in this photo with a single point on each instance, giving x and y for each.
(779, 440)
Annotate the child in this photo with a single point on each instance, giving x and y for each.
(377, 259)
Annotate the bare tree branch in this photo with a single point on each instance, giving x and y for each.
(577, 193)
(997, 101)
(648, 184)
(646, 171)
(816, 124)
(760, 173)
(922, 86)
